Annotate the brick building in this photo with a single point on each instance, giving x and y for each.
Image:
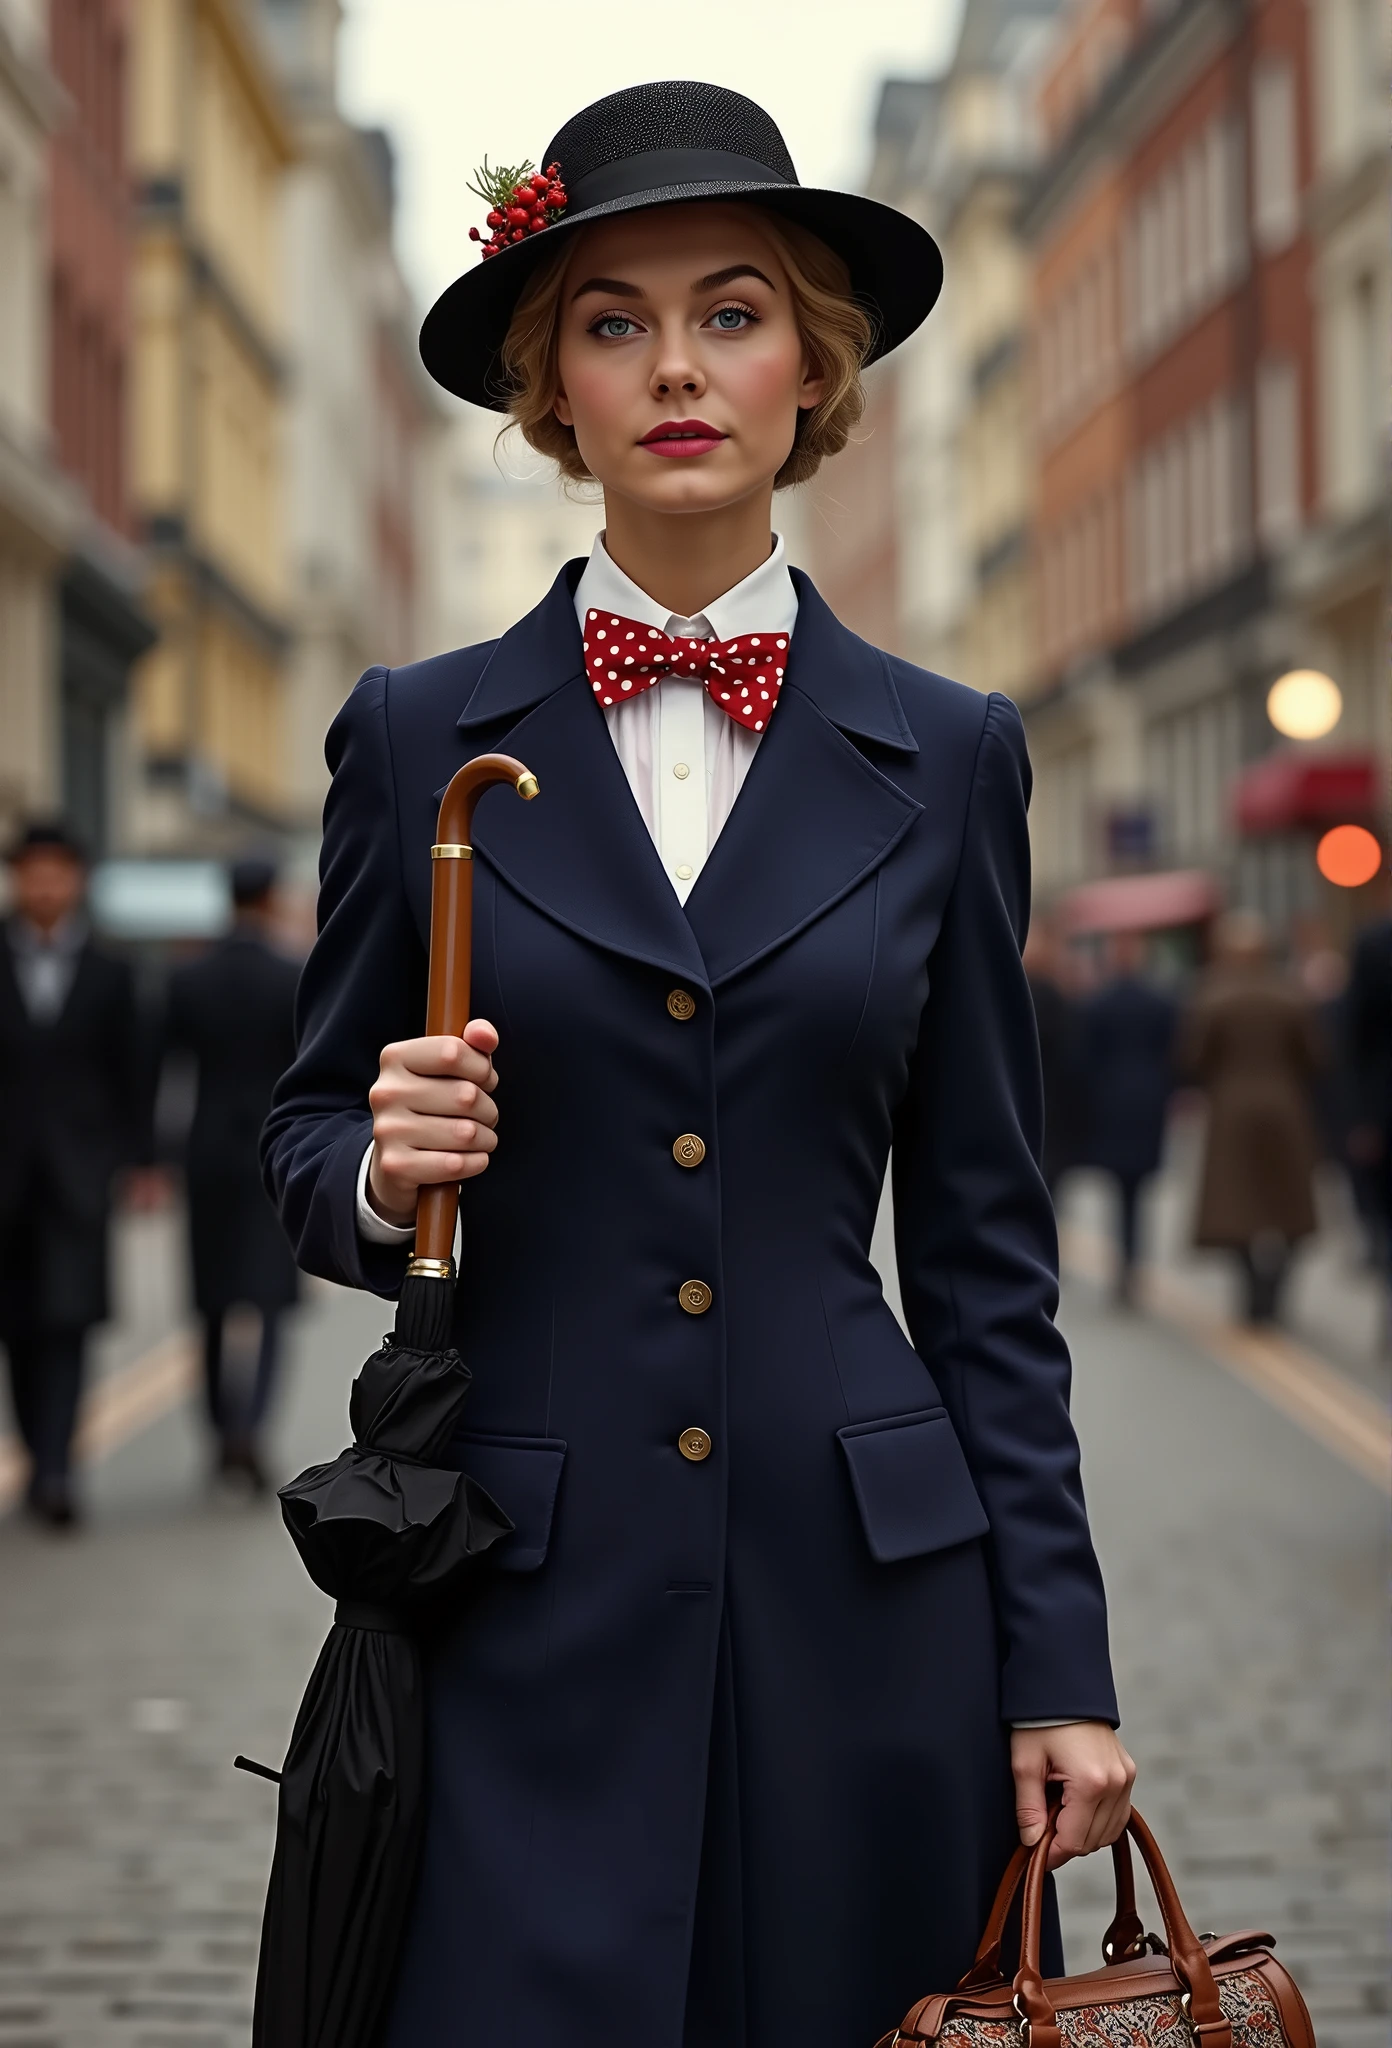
(101, 627)
(1176, 428)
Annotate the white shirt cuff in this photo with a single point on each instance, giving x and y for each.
(1048, 1724)
(373, 1227)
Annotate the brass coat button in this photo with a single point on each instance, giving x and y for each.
(689, 1150)
(681, 1005)
(694, 1445)
(695, 1297)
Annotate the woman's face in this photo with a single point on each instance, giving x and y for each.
(681, 366)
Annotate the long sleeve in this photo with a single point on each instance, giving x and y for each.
(978, 1257)
(363, 986)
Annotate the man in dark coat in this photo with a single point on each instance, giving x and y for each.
(1128, 1052)
(74, 1101)
(1058, 1017)
(232, 1012)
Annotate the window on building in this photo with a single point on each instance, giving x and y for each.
(1044, 370)
(1369, 393)
(1199, 494)
(1196, 257)
(1227, 209)
(1278, 451)
(1148, 251)
(1171, 257)
(1153, 518)
(1275, 161)
(1174, 550)
(1087, 327)
(1131, 321)
(1220, 459)
(1107, 322)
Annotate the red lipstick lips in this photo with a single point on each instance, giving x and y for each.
(682, 437)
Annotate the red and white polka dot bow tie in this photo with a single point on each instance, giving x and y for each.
(743, 676)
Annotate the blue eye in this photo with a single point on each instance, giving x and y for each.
(730, 319)
(615, 327)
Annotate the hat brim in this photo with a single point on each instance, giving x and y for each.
(895, 266)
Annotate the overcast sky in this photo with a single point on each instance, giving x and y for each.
(455, 80)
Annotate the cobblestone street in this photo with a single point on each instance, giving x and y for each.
(1246, 1566)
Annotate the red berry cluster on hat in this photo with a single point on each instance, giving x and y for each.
(521, 202)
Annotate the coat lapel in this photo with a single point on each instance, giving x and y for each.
(581, 852)
(814, 817)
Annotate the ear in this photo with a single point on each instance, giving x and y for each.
(560, 405)
(811, 387)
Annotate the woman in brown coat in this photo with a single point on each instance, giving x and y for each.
(1251, 1044)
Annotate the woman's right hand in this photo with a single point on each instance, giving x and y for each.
(433, 1116)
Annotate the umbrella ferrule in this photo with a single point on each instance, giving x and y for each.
(452, 851)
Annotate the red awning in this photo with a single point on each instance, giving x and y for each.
(1142, 903)
(1288, 791)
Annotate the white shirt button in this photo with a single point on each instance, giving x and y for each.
(680, 770)
(683, 872)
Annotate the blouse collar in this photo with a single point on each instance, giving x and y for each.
(763, 602)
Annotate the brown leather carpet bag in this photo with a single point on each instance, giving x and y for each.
(1224, 1991)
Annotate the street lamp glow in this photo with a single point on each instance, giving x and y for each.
(1304, 704)
(1348, 856)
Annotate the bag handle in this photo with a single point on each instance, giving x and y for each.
(1208, 2023)
(451, 946)
(1125, 1938)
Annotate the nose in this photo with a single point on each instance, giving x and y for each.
(676, 369)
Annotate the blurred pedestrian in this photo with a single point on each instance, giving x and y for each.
(74, 1101)
(1251, 1043)
(232, 1011)
(1128, 1057)
(1058, 1019)
(1369, 1021)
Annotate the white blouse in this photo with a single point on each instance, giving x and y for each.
(685, 759)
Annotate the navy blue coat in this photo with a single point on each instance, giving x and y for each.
(802, 1652)
(1128, 1064)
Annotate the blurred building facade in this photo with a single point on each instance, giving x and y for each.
(365, 424)
(1336, 575)
(920, 532)
(39, 509)
(500, 528)
(1175, 403)
(1134, 467)
(211, 143)
(102, 625)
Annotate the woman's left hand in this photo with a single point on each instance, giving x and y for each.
(1086, 1759)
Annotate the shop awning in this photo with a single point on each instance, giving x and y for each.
(1142, 903)
(1288, 792)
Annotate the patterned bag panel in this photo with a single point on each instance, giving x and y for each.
(1153, 2021)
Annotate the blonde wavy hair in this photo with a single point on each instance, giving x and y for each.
(836, 332)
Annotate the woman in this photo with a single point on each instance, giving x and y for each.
(722, 1749)
(1252, 1045)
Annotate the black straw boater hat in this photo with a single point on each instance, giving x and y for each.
(657, 145)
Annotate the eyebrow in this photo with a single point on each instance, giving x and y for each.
(719, 277)
(615, 287)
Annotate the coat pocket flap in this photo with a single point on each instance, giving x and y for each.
(522, 1473)
(912, 1485)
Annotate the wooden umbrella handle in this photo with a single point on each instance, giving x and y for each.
(451, 952)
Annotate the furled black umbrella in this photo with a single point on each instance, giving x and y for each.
(393, 1535)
